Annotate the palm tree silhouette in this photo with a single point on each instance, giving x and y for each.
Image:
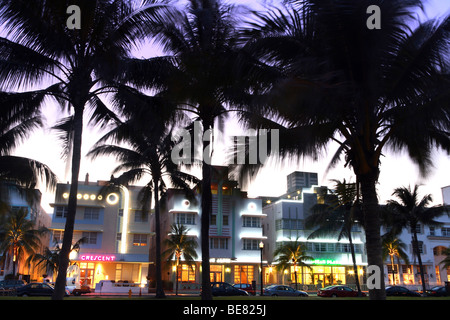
(337, 217)
(367, 91)
(180, 245)
(143, 149)
(81, 63)
(410, 212)
(18, 236)
(291, 253)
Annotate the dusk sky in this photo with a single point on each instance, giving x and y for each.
(396, 170)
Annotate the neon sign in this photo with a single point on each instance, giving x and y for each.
(325, 261)
(97, 257)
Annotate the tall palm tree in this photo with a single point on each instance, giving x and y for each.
(18, 236)
(291, 253)
(79, 62)
(201, 75)
(180, 245)
(410, 212)
(394, 247)
(338, 217)
(368, 91)
(144, 150)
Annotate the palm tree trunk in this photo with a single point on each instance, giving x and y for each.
(355, 267)
(393, 272)
(159, 287)
(419, 259)
(372, 228)
(206, 211)
(14, 261)
(60, 283)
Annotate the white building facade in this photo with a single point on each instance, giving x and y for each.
(285, 218)
(234, 234)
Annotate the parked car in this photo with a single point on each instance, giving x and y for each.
(438, 291)
(282, 290)
(37, 289)
(399, 291)
(226, 289)
(11, 284)
(338, 291)
(246, 287)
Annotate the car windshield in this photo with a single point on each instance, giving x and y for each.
(329, 288)
(436, 288)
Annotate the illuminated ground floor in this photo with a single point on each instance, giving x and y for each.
(119, 268)
(410, 274)
(189, 277)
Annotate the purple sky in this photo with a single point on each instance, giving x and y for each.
(396, 170)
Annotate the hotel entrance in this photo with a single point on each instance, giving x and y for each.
(87, 270)
(215, 273)
(324, 275)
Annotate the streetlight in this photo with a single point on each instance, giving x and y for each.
(261, 247)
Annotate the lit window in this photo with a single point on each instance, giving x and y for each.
(139, 240)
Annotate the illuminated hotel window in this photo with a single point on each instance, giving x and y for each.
(91, 213)
(186, 273)
(327, 275)
(61, 212)
(139, 240)
(90, 237)
(243, 274)
(118, 271)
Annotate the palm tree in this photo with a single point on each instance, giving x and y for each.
(18, 120)
(410, 212)
(446, 262)
(291, 253)
(394, 247)
(144, 149)
(200, 74)
(338, 217)
(180, 245)
(49, 259)
(365, 90)
(80, 62)
(18, 236)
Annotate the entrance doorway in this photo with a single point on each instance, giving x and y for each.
(87, 273)
(215, 274)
